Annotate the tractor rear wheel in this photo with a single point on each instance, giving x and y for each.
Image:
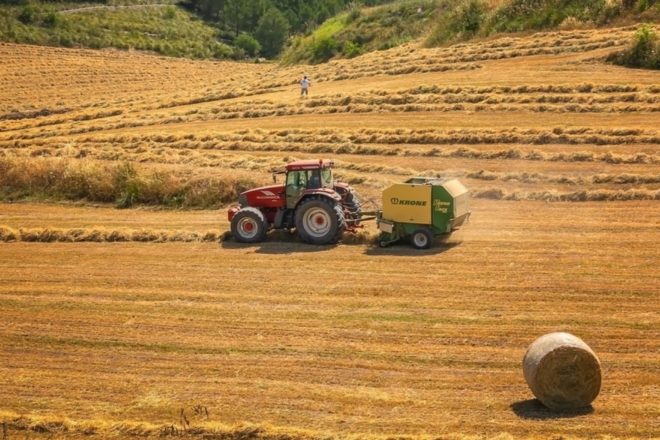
(249, 225)
(320, 220)
(422, 238)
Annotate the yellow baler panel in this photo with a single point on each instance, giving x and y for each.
(407, 203)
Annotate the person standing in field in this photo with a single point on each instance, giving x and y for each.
(304, 86)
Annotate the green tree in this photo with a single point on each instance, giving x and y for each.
(248, 43)
(645, 49)
(28, 14)
(272, 32)
(323, 49)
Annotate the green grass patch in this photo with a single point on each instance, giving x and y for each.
(319, 46)
(363, 30)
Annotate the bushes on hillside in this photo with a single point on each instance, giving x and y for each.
(27, 15)
(324, 48)
(477, 17)
(644, 51)
(520, 15)
(461, 23)
(248, 43)
(170, 31)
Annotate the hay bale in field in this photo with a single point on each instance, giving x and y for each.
(562, 371)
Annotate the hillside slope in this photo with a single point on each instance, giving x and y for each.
(441, 22)
(240, 30)
(161, 27)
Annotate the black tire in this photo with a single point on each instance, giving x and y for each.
(422, 238)
(319, 220)
(249, 225)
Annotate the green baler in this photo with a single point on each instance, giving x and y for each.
(422, 209)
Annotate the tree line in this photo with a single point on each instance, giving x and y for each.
(263, 26)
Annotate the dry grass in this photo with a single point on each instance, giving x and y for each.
(79, 235)
(367, 353)
(116, 339)
(122, 183)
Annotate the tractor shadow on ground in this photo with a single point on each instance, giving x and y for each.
(404, 249)
(277, 242)
(533, 409)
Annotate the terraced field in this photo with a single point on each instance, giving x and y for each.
(148, 322)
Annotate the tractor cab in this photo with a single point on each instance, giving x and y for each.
(305, 175)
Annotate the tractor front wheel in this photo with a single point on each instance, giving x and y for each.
(249, 225)
(320, 220)
(422, 238)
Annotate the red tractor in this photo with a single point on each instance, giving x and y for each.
(319, 208)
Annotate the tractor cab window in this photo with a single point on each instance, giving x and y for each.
(308, 179)
(326, 177)
(313, 179)
(296, 179)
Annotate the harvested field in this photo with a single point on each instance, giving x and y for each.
(364, 352)
(147, 322)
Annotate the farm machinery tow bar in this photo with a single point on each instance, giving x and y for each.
(321, 209)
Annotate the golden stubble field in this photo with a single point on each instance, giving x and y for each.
(143, 323)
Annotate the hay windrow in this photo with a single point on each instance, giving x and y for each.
(573, 196)
(57, 426)
(98, 235)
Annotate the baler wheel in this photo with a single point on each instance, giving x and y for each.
(422, 238)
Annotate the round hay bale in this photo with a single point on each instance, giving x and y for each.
(562, 371)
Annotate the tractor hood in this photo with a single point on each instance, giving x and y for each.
(265, 196)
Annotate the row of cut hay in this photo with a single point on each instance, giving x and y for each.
(73, 117)
(460, 152)
(628, 103)
(243, 162)
(22, 426)
(574, 196)
(411, 97)
(399, 63)
(599, 179)
(100, 235)
(123, 183)
(599, 137)
(179, 152)
(524, 89)
(523, 177)
(556, 135)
